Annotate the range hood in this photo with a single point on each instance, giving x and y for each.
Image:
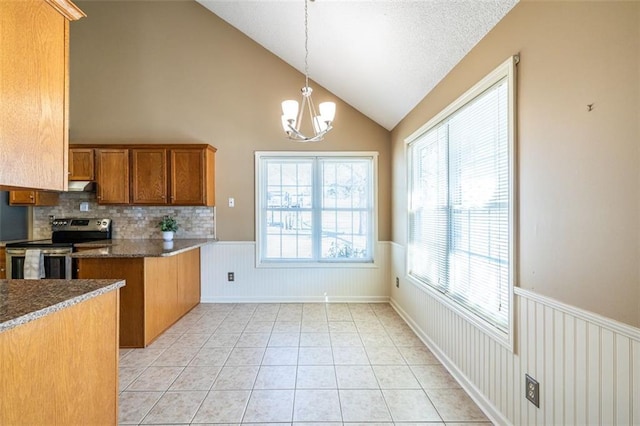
(80, 186)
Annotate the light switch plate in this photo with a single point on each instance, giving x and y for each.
(84, 206)
(232, 202)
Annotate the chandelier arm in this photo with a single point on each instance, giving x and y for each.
(301, 113)
(311, 110)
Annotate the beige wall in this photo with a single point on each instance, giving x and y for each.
(579, 173)
(173, 71)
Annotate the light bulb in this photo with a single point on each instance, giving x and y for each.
(290, 109)
(328, 111)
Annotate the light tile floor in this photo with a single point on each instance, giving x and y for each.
(290, 364)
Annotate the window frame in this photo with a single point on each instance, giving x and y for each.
(505, 70)
(259, 214)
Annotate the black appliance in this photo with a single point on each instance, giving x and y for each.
(65, 233)
(14, 220)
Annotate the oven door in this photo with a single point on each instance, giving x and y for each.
(57, 263)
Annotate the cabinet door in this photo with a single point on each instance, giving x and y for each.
(161, 295)
(149, 176)
(113, 176)
(33, 198)
(33, 89)
(17, 198)
(188, 280)
(81, 164)
(188, 177)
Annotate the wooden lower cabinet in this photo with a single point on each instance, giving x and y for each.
(188, 280)
(62, 368)
(159, 291)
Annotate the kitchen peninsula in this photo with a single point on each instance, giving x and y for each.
(163, 281)
(59, 351)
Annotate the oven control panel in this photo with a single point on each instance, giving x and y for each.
(81, 224)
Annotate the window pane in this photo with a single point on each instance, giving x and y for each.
(289, 183)
(345, 183)
(346, 202)
(289, 235)
(429, 214)
(335, 226)
(459, 203)
(345, 234)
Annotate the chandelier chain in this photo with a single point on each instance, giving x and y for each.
(306, 44)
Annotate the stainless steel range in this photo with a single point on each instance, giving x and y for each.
(65, 233)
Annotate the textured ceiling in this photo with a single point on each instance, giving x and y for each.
(381, 57)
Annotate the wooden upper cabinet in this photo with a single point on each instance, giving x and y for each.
(192, 176)
(149, 183)
(153, 175)
(112, 175)
(81, 164)
(33, 198)
(34, 79)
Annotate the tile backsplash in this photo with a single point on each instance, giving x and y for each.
(128, 221)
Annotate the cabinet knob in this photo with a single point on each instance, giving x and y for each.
(31, 196)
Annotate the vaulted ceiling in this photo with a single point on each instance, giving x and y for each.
(382, 57)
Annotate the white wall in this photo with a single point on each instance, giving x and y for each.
(333, 284)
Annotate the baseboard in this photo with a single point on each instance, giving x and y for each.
(485, 405)
(319, 299)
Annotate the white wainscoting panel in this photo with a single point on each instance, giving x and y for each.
(588, 366)
(333, 284)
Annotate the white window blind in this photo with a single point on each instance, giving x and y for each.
(313, 208)
(460, 205)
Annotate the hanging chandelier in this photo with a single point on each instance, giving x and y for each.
(292, 115)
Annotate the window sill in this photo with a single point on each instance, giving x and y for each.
(321, 265)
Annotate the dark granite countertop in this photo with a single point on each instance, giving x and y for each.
(138, 248)
(4, 243)
(22, 301)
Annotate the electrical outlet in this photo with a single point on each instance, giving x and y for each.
(231, 276)
(532, 390)
(397, 282)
